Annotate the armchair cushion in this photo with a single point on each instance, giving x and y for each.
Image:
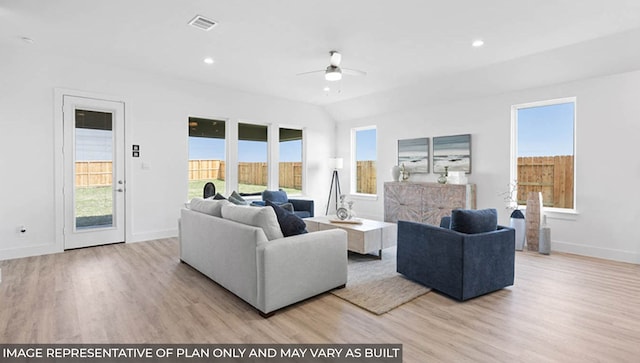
(474, 221)
(275, 196)
(301, 207)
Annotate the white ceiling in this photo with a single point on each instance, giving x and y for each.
(259, 46)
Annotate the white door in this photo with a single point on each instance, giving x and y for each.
(94, 185)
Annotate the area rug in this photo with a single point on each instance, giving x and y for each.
(375, 286)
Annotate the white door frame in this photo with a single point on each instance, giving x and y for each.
(59, 218)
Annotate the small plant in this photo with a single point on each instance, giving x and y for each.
(510, 196)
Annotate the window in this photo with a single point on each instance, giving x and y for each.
(544, 151)
(290, 165)
(206, 155)
(363, 166)
(253, 167)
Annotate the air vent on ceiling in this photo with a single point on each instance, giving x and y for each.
(202, 23)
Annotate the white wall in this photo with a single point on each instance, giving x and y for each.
(157, 112)
(608, 170)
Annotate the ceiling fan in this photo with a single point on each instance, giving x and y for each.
(334, 72)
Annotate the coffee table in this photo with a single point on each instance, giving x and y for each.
(366, 237)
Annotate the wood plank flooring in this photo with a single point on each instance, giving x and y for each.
(563, 308)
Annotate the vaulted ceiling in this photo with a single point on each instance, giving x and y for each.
(260, 46)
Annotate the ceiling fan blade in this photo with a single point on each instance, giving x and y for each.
(353, 72)
(303, 73)
(336, 58)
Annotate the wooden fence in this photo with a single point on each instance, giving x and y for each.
(93, 173)
(290, 173)
(551, 175)
(98, 173)
(366, 180)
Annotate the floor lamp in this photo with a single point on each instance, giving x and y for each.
(336, 163)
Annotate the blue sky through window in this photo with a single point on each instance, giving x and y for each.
(546, 130)
(366, 144)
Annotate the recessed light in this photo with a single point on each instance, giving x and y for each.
(326, 89)
(208, 60)
(478, 43)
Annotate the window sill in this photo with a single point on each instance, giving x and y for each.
(358, 196)
(557, 213)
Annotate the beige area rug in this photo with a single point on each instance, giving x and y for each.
(374, 285)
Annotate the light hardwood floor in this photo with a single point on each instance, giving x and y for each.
(563, 308)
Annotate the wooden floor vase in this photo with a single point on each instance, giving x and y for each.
(533, 220)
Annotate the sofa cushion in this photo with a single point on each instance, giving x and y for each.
(236, 198)
(219, 196)
(290, 224)
(208, 206)
(474, 221)
(263, 217)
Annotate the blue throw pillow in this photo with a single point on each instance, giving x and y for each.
(290, 224)
(474, 221)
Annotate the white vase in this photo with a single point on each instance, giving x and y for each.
(519, 225)
(395, 173)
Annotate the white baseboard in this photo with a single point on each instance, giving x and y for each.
(37, 250)
(147, 236)
(598, 252)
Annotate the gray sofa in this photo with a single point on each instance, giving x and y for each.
(242, 249)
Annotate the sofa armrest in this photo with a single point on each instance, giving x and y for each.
(295, 268)
(303, 205)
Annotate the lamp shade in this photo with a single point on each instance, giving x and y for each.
(336, 163)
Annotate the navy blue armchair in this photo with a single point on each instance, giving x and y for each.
(461, 265)
(303, 208)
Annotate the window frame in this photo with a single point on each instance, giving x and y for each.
(513, 175)
(354, 163)
(227, 122)
(303, 156)
(269, 155)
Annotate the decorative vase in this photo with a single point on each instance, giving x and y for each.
(545, 238)
(517, 222)
(533, 220)
(352, 213)
(395, 173)
(443, 177)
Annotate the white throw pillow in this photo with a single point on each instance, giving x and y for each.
(211, 207)
(262, 217)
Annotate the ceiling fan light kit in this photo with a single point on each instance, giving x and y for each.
(333, 73)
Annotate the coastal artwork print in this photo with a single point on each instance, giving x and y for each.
(452, 151)
(414, 154)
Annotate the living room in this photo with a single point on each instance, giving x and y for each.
(602, 72)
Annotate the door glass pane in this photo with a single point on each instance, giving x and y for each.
(93, 169)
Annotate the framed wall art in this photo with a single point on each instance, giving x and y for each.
(452, 151)
(414, 154)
